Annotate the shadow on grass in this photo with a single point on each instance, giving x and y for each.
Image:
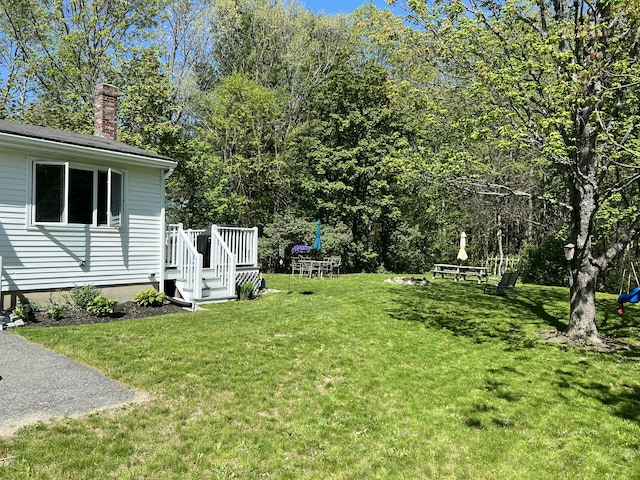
(462, 309)
(615, 325)
(465, 310)
(622, 400)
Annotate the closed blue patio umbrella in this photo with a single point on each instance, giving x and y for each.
(317, 244)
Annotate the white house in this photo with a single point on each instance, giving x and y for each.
(85, 209)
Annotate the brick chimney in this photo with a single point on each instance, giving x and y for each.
(105, 100)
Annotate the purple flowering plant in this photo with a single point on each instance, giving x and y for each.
(298, 249)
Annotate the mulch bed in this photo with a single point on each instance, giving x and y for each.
(123, 311)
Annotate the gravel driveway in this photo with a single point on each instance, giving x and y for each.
(38, 385)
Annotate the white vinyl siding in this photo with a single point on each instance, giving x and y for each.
(45, 257)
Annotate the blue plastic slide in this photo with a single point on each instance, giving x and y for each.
(632, 297)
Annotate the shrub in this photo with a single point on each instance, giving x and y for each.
(288, 230)
(81, 297)
(150, 298)
(55, 309)
(245, 291)
(26, 309)
(102, 306)
(54, 312)
(544, 263)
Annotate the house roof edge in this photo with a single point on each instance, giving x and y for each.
(93, 142)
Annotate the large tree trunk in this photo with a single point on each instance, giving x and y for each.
(583, 272)
(582, 317)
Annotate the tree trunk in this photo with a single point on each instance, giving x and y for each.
(582, 317)
(583, 272)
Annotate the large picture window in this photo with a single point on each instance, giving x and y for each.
(69, 194)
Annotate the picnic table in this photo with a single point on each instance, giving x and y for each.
(459, 271)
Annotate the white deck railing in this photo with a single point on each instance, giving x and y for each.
(189, 262)
(224, 262)
(171, 245)
(0, 283)
(230, 247)
(497, 266)
(243, 243)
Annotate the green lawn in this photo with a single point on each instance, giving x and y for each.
(349, 377)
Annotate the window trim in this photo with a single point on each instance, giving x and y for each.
(65, 224)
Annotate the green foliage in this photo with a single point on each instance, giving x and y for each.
(245, 291)
(69, 50)
(237, 165)
(145, 109)
(101, 306)
(552, 80)
(350, 151)
(150, 298)
(81, 297)
(543, 263)
(26, 309)
(288, 230)
(21, 311)
(408, 251)
(55, 310)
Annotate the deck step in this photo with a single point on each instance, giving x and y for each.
(227, 298)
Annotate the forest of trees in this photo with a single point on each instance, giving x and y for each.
(514, 121)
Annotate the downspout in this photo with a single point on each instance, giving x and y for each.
(163, 230)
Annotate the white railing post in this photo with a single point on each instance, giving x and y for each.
(1, 300)
(189, 262)
(172, 254)
(224, 261)
(231, 288)
(254, 253)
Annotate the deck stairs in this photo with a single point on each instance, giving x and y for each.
(212, 288)
(206, 266)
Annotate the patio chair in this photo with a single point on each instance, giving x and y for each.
(507, 283)
(336, 263)
(296, 266)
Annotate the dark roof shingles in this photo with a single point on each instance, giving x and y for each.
(60, 136)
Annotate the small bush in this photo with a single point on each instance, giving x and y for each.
(102, 306)
(26, 309)
(150, 298)
(245, 291)
(55, 309)
(54, 312)
(544, 263)
(81, 297)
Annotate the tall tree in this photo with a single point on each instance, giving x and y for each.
(146, 114)
(561, 76)
(352, 144)
(72, 45)
(277, 44)
(185, 37)
(15, 80)
(239, 153)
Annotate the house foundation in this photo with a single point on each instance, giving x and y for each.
(122, 293)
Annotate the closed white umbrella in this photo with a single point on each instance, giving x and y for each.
(462, 254)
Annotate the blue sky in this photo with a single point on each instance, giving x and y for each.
(339, 6)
